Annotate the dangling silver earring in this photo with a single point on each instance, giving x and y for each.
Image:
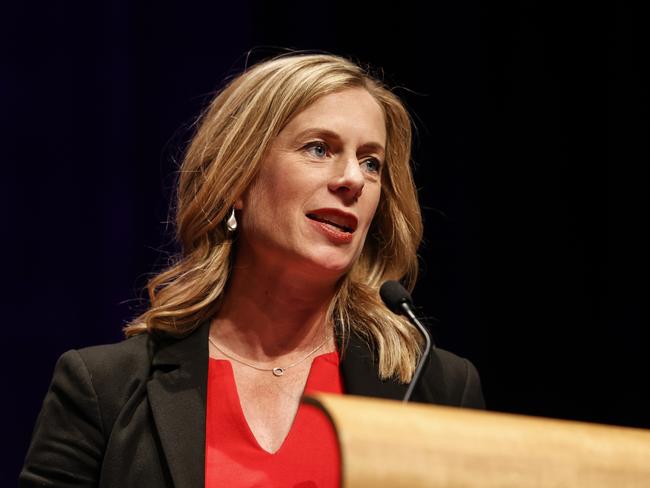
(231, 223)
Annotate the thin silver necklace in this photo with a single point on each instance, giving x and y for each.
(277, 371)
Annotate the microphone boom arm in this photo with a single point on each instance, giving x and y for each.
(425, 354)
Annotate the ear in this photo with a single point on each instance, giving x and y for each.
(239, 204)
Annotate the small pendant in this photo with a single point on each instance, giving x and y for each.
(278, 371)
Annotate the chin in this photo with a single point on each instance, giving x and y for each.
(332, 261)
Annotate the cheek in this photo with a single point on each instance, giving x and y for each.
(256, 208)
(371, 209)
(271, 200)
(281, 181)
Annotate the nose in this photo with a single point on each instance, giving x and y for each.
(348, 180)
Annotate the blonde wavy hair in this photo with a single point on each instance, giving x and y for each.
(223, 157)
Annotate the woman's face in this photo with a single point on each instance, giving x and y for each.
(311, 206)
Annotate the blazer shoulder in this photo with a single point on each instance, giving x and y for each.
(89, 388)
(452, 380)
(126, 356)
(118, 371)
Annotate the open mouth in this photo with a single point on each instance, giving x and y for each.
(334, 221)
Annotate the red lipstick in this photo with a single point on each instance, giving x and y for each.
(337, 225)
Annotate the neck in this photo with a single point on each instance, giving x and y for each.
(269, 312)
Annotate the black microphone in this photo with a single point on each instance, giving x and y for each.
(398, 300)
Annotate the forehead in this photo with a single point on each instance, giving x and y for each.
(352, 113)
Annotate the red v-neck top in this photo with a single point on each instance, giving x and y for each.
(308, 457)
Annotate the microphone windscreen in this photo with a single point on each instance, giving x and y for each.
(394, 294)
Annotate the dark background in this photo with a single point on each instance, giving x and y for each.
(532, 162)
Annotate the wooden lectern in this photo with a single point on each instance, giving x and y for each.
(385, 443)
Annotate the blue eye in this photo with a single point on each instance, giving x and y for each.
(317, 145)
(373, 165)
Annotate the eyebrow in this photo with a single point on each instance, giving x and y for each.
(375, 146)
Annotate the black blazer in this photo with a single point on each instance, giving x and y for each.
(132, 414)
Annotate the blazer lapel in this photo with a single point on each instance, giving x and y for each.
(360, 373)
(178, 396)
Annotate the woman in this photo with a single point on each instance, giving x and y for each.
(295, 203)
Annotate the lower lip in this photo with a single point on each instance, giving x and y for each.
(334, 235)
